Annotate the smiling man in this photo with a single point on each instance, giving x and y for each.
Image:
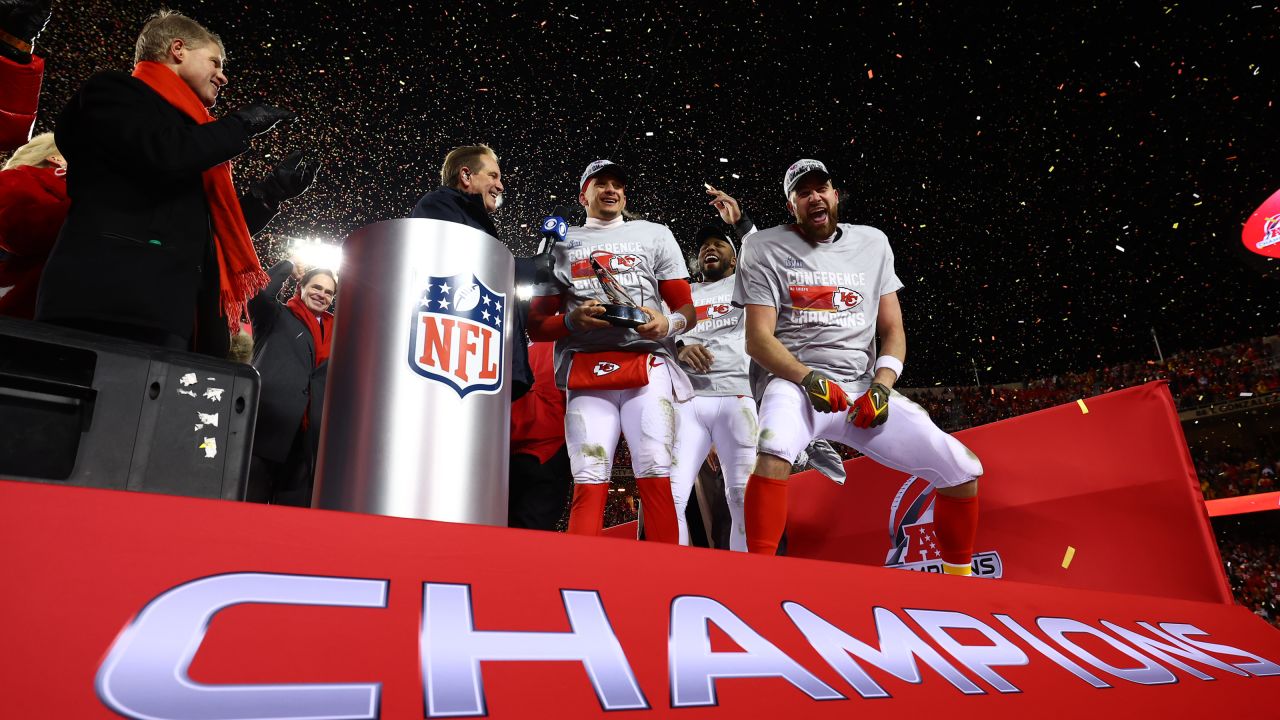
(470, 189)
(818, 293)
(620, 379)
(722, 413)
(291, 344)
(156, 247)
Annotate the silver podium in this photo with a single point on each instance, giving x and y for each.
(417, 409)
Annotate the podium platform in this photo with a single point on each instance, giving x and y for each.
(122, 604)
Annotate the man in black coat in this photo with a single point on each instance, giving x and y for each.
(470, 191)
(137, 257)
(291, 354)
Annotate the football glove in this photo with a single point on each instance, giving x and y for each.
(824, 394)
(872, 408)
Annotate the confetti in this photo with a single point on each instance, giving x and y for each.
(678, 97)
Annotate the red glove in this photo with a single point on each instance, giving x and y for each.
(824, 394)
(872, 408)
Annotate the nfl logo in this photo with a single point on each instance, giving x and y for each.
(456, 336)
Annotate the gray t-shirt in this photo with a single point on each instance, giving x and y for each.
(827, 294)
(722, 329)
(639, 254)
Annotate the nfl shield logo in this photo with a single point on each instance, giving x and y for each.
(456, 336)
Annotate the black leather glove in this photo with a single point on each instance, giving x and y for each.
(287, 180)
(23, 20)
(259, 118)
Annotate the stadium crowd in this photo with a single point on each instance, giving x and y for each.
(1251, 556)
(1196, 379)
(1236, 473)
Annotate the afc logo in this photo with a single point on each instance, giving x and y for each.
(913, 544)
(456, 337)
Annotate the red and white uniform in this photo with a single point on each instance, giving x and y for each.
(640, 254)
(827, 296)
(722, 413)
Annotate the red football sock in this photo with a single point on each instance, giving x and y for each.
(659, 510)
(586, 515)
(765, 512)
(955, 522)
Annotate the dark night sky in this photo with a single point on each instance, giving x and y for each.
(1007, 150)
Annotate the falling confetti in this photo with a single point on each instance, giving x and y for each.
(966, 202)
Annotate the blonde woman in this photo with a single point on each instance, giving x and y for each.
(33, 204)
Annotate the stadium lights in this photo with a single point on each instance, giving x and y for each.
(316, 253)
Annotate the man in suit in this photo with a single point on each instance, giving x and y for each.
(156, 247)
(291, 353)
(470, 191)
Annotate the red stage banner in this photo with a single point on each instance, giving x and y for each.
(146, 606)
(1260, 502)
(1099, 494)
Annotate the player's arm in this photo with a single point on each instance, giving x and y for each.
(676, 294)
(547, 323)
(765, 348)
(872, 408)
(730, 212)
(893, 337)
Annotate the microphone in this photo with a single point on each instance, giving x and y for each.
(553, 229)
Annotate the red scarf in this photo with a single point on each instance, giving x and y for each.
(321, 328)
(241, 272)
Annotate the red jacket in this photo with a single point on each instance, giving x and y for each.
(33, 204)
(537, 418)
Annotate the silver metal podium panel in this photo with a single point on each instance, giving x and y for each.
(417, 409)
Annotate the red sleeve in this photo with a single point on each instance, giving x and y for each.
(19, 97)
(675, 293)
(546, 324)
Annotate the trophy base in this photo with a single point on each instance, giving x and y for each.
(624, 316)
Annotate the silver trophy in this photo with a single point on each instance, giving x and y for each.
(621, 310)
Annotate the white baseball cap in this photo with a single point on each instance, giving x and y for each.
(599, 166)
(799, 169)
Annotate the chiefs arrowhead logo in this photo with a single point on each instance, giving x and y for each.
(824, 298)
(604, 368)
(616, 264)
(710, 312)
(845, 299)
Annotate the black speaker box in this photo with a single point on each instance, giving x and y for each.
(94, 411)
